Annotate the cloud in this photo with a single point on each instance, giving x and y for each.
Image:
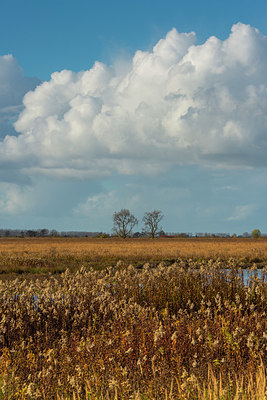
(224, 188)
(15, 200)
(97, 203)
(181, 103)
(242, 212)
(13, 86)
(107, 203)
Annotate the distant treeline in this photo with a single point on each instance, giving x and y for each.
(45, 233)
(54, 233)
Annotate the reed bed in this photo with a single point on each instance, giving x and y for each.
(42, 255)
(189, 330)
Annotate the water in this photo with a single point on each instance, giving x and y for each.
(246, 274)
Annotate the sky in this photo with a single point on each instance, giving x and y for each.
(141, 105)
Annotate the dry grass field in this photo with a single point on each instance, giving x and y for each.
(56, 254)
(162, 248)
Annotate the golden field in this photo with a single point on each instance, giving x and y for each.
(57, 254)
(132, 248)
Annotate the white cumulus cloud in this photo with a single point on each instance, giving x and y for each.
(181, 103)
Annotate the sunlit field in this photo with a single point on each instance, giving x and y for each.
(172, 319)
(56, 254)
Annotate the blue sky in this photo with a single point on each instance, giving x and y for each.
(114, 104)
(48, 36)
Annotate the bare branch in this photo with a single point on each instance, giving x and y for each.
(151, 222)
(123, 222)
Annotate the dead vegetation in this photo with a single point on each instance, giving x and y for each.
(189, 330)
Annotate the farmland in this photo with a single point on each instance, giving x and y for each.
(132, 319)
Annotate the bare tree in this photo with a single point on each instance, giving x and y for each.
(151, 222)
(123, 223)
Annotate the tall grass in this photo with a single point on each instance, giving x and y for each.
(184, 331)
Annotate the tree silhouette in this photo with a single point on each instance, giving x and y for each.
(151, 222)
(123, 223)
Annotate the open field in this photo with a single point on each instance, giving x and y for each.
(36, 255)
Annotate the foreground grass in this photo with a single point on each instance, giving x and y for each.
(184, 331)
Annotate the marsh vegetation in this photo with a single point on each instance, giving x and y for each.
(189, 328)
